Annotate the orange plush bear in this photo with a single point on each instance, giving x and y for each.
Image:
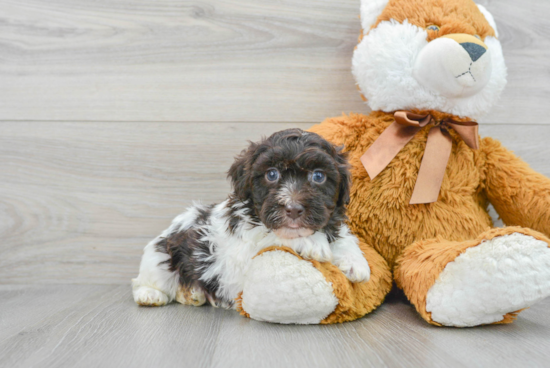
(422, 182)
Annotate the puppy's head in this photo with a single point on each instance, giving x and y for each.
(294, 182)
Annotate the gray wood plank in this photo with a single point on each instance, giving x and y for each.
(209, 60)
(525, 38)
(204, 60)
(79, 201)
(99, 325)
(107, 329)
(34, 306)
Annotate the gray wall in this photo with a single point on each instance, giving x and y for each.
(115, 115)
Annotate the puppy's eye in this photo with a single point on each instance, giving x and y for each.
(318, 176)
(272, 175)
(433, 27)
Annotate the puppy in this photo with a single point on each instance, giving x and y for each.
(288, 190)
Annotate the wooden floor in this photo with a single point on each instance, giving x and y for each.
(115, 115)
(100, 326)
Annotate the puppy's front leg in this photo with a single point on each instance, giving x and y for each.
(314, 247)
(349, 258)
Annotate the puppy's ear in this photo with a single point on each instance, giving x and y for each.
(345, 177)
(240, 173)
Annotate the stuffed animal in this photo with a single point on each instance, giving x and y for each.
(422, 183)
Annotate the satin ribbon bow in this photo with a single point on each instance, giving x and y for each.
(436, 155)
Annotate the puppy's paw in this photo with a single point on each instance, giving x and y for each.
(150, 297)
(190, 296)
(219, 303)
(356, 269)
(317, 252)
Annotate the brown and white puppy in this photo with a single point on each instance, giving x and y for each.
(288, 190)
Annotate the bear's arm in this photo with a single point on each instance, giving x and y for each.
(520, 195)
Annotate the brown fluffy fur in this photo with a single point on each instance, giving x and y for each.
(417, 241)
(414, 243)
(453, 16)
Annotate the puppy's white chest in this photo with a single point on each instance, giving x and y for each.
(233, 256)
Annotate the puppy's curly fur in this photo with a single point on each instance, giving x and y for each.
(290, 189)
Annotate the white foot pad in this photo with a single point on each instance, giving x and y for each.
(281, 288)
(499, 276)
(144, 295)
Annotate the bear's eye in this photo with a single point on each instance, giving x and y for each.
(433, 27)
(477, 36)
(318, 176)
(272, 175)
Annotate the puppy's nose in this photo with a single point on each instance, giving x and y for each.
(294, 210)
(474, 50)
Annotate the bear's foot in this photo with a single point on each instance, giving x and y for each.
(491, 282)
(283, 288)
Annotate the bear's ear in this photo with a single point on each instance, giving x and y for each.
(489, 18)
(370, 10)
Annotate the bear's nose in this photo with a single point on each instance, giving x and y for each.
(294, 210)
(474, 46)
(474, 50)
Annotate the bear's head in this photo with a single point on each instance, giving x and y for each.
(439, 55)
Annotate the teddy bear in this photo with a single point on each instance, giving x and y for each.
(422, 180)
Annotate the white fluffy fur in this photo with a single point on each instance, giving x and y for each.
(503, 275)
(383, 66)
(446, 67)
(232, 254)
(284, 289)
(370, 10)
(287, 193)
(350, 259)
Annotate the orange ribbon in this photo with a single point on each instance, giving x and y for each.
(436, 155)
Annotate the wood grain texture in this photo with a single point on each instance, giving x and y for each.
(211, 60)
(525, 35)
(79, 201)
(136, 105)
(167, 60)
(100, 326)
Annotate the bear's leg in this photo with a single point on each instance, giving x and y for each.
(482, 281)
(282, 287)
